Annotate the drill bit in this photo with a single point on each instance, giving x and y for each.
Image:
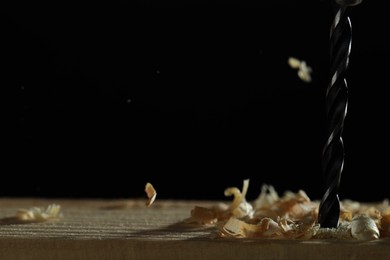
(336, 110)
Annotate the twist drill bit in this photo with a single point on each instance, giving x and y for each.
(336, 110)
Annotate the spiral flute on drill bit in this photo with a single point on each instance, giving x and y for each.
(336, 110)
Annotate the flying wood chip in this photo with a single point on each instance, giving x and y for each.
(151, 193)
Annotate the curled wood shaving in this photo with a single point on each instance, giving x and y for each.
(36, 214)
(292, 216)
(364, 227)
(384, 224)
(239, 208)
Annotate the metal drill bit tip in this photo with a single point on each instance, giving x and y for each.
(329, 212)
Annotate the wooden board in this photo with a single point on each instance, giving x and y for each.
(127, 229)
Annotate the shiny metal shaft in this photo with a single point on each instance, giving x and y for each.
(336, 111)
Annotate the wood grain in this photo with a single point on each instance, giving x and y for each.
(127, 229)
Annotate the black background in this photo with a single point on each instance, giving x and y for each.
(102, 98)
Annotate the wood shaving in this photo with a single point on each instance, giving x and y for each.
(291, 216)
(151, 193)
(36, 214)
(240, 208)
(304, 71)
(363, 227)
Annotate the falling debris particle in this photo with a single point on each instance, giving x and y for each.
(36, 214)
(151, 193)
(304, 71)
(294, 62)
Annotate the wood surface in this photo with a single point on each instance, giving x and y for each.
(127, 229)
